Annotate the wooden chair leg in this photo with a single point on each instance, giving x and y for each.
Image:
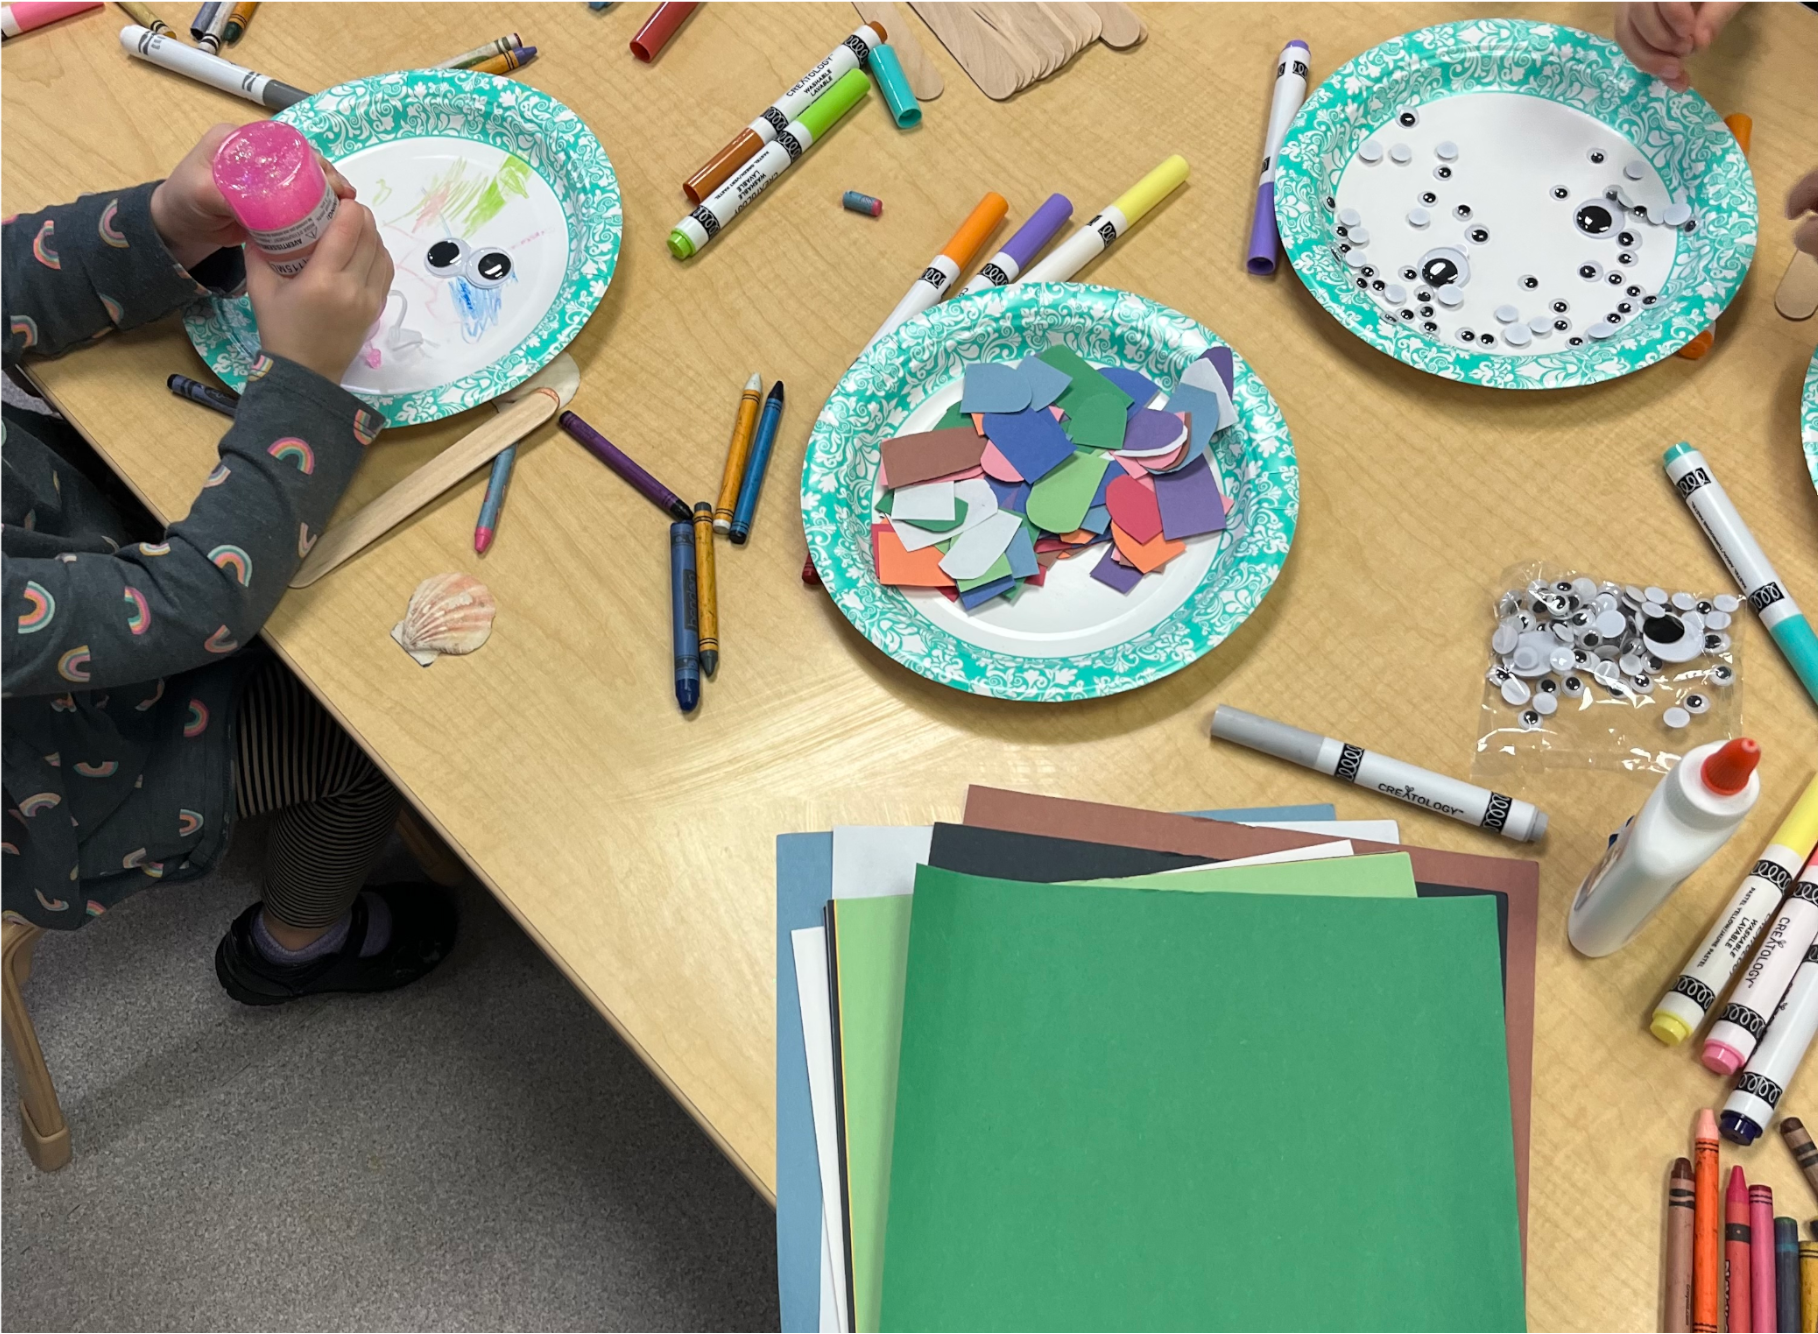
(41, 1123)
(431, 853)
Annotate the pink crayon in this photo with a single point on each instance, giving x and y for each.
(1763, 1290)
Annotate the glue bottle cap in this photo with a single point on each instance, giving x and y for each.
(1726, 772)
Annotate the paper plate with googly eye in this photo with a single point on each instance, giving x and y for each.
(502, 216)
(1808, 421)
(1514, 204)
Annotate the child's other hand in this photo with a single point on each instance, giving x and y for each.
(320, 317)
(1659, 34)
(187, 208)
(1803, 199)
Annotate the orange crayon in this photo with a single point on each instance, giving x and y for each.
(736, 454)
(1706, 1278)
(1736, 1248)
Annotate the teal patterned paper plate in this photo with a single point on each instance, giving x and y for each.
(1540, 121)
(1072, 638)
(1808, 421)
(501, 213)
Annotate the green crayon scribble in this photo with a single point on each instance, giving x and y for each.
(382, 192)
(467, 205)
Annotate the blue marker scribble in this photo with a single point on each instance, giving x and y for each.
(480, 308)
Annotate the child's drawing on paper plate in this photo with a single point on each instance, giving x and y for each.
(480, 244)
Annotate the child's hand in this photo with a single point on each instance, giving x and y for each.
(1659, 34)
(1803, 199)
(187, 208)
(320, 317)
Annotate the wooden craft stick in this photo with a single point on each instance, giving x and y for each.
(972, 42)
(532, 403)
(1797, 296)
(1121, 25)
(924, 79)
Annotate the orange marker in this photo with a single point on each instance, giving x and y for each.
(1740, 126)
(957, 254)
(1736, 1235)
(1706, 1279)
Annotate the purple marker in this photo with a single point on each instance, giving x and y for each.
(1041, 228)
(625, 466)
(1290, 92)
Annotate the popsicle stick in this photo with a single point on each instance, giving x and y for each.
(925, 80)
(1797, 296)
(1121, 25)
(975, 45)
(537, 400)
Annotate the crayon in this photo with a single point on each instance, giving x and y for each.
(1290, 91)
(1805, 1153)
(684, 616)
(516, 58)
(1707, 973)
(485, 528)
(24, 15)
(959, 252)
(1092, 240)
(853, 201)
(1679, 1248)
(659, 28)
(736, 453)
(1786, 1273)
(1704, 495)
(223, 401)
(498, 46)
(1733, 1037)
(205, 15)
(1736, 1257)
(1777, 1059)
(760, 173)
(1764, 1290)
(168, 53)
(238, 19)
(211, 40)
(708, 594)
(755, 467)
(1707, 1278)
(1024, 245)
(853, 53)
(627, 467)
(1808, 1286)
(142, 15)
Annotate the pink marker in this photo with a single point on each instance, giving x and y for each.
(275, 185)
(29, 14)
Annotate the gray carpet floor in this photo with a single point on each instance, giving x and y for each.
(477, 1151)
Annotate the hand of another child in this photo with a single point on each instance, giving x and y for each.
(1657, 35)
(192, 218)
(1802, 200)
(320, 318)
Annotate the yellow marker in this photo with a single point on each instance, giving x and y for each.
(1708, 972)
(1092, 240)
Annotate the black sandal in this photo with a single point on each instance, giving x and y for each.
(423, 924)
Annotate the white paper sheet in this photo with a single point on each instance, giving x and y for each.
(873, 861)
(1315, 852)
(1368, 831)
(817, 1035)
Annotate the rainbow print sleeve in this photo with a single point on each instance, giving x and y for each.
(82, 620)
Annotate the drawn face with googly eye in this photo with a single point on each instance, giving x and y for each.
(482, 267)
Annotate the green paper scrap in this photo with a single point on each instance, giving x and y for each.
(938, 525)
(999, 568)
(1097, 422)
(887, 501)
(1060, 500)
(1130, 1110)
(954, 417)
(1087, 382)
(872, 940)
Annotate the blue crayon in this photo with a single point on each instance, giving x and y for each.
(224, 401)
(685, 616)
(755, 466)
(486, 527)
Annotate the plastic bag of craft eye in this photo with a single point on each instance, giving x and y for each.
(1585, 670)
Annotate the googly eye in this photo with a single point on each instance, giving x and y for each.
(1530, 719)
(1560, 192)
(1486, 338)
(1363, 284)
(1561, 306)
(1444, 173)
(1649, 300)
(1562, 325)
(1625, 238)
(1722, 675)
(1479, 235)
(1624, 307)
(1462, 212)
(1368, 271)
(1574, 341)
(1596, 155)
(1625, 257)
(1378, 285)
(1614, 278)
(1407, 314)
(1612, 318)
(1438, 268)
(1426, 312)
(1590, 271)
(1430, 327)
(1696, 704)
(1467, 335)
(1595, 218)
(1331, 203)
(1529, 281)
(1409, 274)
(1343, 230)
(488, 268)
(1428, 197)
(445, 257)
(1408, 119)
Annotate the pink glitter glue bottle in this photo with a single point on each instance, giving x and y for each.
(275, 185)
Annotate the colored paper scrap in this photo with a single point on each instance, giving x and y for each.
(978, 547)
(1141, 388)
(1189, 501)
(1000, 569)
(1021, 554)
(1208, 374)
(994, 387)
(953, 417)
(1087, 382)
(979, 596)
(1152, 431)
(1114, 574)
(936, 525)
(917, 504)
(1060, 500)
(1158, 463)
(1045, 382)
(1032, 442)
(1202, 408)
(996, 465)
(902, 568)
(1146, 556)
(1097, 421)
(1133, 509)
(1097, 519)
(929, 455)
(1010, 495)
(980, 502)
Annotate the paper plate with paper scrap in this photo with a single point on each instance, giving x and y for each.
(501, 213)
(1808, 421)
(1514, 204)
(1049, 492)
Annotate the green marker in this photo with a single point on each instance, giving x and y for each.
(752, 179)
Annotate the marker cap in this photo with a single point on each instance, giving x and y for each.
(682, 245)
(1740, 1129)
(1151, 189)
(1669, 1028)
(963, 246)
(848, 90)
(894, 85)
(1721, 1057)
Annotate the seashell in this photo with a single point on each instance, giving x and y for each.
(449, 613)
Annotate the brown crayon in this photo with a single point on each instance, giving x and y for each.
(1805, 1152)
(1808, 1286)
(1679, 1248)
(1707, 1279)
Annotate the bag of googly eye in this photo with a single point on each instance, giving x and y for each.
(1585, 671)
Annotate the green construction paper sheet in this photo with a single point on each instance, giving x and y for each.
(1098, 421)
(872, 939)
(1122, 1109)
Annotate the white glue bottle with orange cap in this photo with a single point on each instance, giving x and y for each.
(1691, 814)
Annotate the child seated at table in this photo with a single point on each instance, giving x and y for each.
(141, 720)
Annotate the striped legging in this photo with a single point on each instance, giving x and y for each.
(332, 809)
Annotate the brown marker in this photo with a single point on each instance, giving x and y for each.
(1805, 1152)
(1679, 1248)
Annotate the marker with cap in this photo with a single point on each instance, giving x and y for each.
(1419, 787)
(1025, 245)
(1290, 92)
(1708, 972)
(1092, 240)
(959, 252)
(1774, 1062)
(1745, 1018)
(170, 54)
(751, 180)
(1691, 476)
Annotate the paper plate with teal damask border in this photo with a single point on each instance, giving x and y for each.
(1514, 204)
(1808, 421)
(501, 214)
(1072, 638)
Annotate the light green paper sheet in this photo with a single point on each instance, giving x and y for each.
(1200, 1111)
(872, 939)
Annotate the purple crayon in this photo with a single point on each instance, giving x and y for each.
(1290, 92)
(625, 466)
(1043, 226)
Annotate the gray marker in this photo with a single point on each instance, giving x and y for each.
(211, 70)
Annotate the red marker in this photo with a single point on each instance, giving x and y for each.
(1736, 1257)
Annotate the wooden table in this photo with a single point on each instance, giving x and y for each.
(636, 845)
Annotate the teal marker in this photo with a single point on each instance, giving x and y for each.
(1748, 564)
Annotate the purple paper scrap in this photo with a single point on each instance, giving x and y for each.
(1189, 501)
(1121, 577)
